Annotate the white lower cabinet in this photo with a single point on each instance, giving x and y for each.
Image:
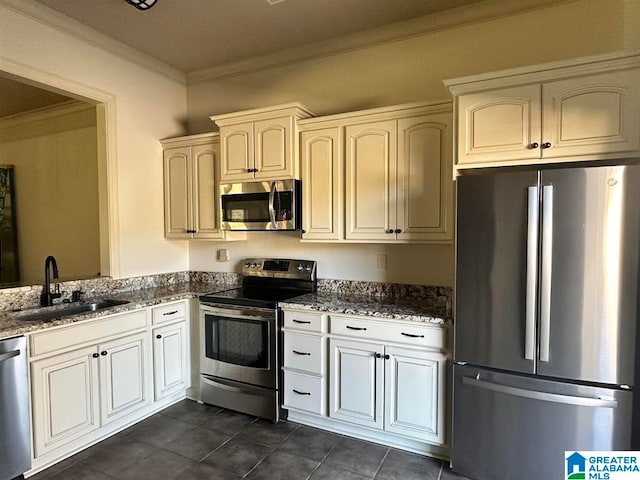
(95, 377)
(383, 380)
(170, 359)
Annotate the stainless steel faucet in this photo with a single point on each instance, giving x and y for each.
(46, 298)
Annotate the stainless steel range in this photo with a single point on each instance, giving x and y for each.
(240, 332)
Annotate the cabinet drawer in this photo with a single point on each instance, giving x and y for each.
(168, 312)
(311, 322)
(87, 332)
(304, 392)
(304, 352)
(406, 333)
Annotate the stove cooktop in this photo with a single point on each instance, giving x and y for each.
(266, 298)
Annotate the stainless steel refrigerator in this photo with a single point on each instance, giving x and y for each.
(546, 319)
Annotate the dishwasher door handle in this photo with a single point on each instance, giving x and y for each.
(8, 355)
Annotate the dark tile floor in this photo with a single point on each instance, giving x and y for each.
(192, 441)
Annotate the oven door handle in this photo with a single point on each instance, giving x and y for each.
(272, 208)
(244, 314)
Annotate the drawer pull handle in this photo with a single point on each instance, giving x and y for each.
(172, 312)
(301, 393)
(356, 328)
(412, 335)
(301, 353)
(302, 321)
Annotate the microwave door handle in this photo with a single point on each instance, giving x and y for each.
(272, 210)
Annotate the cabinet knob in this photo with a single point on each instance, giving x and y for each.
(191, 231)
(158, 336)
(534, 145)
(103, 353)
(304, 231)
(546, 145)
(398, 230)
(95, 355)
(390, 230)
(387, 357)
(378, 355)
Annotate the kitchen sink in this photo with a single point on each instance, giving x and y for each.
(49, 313)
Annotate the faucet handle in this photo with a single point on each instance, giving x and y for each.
(75, 295)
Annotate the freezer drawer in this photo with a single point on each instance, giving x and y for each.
(512, 426)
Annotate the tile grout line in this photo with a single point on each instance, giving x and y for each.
(383, 459)
(325, 456)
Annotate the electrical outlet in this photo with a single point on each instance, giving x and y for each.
(223, 255)
(382, 261)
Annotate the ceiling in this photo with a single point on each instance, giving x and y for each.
(192, 35)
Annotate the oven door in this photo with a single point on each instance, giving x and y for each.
(260, 205)
(239, 344)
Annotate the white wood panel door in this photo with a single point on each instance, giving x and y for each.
(273, 149)
(177, 188)
(124, 370)
(371, 181)
(415, 394)
(597, 114)
(356, 377)
(65, 398)
(205, 161)
(237, 152)
(499, 125)
(170, 359)
(425, 187)
(323, 184)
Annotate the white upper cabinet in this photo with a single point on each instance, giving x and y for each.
(380, 175)
(585, 109)
(260, 144)
(191, 171)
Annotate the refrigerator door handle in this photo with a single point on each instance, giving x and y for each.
(542, 396)
(545, 281)
(533, 216)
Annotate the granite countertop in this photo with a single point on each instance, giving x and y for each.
(409, 309)
(11, 324)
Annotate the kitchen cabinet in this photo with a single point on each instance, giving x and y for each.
(584, 109)
(396, 384)
(380, 175)
(171, 352)
(260, 144)
(191, 177)
(304, 362)
(381, 380)
(84, 378)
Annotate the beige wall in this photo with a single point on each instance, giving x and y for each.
(398, 72)
(54, 154)
(146, 106)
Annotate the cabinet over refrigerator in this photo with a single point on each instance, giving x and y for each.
(546, 319)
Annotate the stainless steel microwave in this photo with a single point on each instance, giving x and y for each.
(272, 205)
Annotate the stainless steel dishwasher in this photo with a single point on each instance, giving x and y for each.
(15, 447)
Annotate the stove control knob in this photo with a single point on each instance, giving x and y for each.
(308, 269)
(254, 265)
(247, 265)
(300, 267)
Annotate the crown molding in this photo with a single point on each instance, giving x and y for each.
(58, 21)
(482, 11)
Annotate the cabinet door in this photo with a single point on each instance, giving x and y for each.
(65, 398)
(498, 126)
(597, 114)
(178, 220)
(123, 380)
(170, 359)
(274, 149)
(206, 209)
(356, 376)
(323, 182)
(236, 152)
(425, 187)
(371, 181)
(415, 394)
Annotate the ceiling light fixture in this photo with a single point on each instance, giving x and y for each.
(142, 4)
